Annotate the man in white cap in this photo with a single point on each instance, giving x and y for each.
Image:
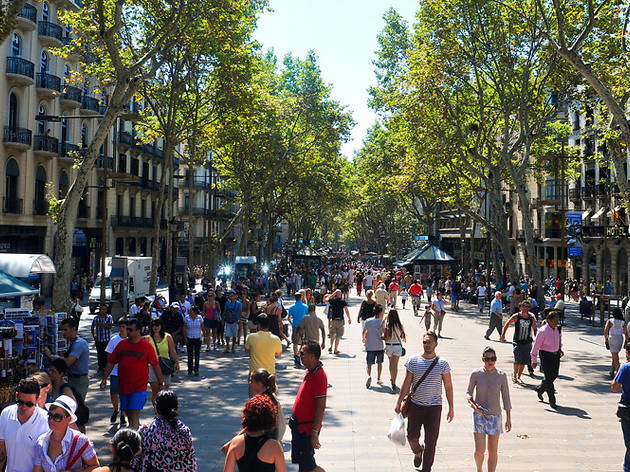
(20, 426)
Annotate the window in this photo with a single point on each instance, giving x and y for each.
(13, 111)
(44, 62)
(40, 191)
(135, 166)
(119, 206)
(132, 206)
(122, 163)
(45, 11)
(143, 208)
(66, 73)
(63, 184)
(41, 125)
(12, 173)
(16, 45)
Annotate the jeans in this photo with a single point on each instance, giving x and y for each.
(101, 355)
(625, 428)
(429, 418)
(193, 347)
(481, 301)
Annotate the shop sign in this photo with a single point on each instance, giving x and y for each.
(617, 231)
(478, 256)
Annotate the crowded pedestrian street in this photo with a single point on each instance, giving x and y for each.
(581, 434)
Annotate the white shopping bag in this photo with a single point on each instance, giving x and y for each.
(397, 430)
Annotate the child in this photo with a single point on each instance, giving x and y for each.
(403, 296)
(427, 317)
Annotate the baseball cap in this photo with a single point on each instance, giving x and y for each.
(174, 305)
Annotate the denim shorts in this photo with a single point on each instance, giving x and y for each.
(374, 356)
(302, 452)
(132, 401)
(113, 385)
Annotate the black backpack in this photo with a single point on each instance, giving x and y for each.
(83, 412)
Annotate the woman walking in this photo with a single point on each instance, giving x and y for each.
(366, 310)
(615, 333)
(274, 312)
(211, 320)
(164, 346)
(394, 335)
(486, 387)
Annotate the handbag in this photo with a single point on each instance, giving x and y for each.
(404, 409)
(166, 363)
(623, 412)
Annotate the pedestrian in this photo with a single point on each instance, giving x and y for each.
(524, 326)
(243, 319)
(59, 387)
(438, 312)
(253, 450)
(425, 404)
(166, 443)
(231, 314)
(274, 312)
(415, 290)
(373, 342)
(394, 336)
(63, 448)
(101, 333)
(366, 310)
(403, 297)
(496, 315)
(381, 295)
(262, 382)
(337, 306)
(621, 382)
(487, 385)
(193, 325)
(296, 313)
(133, 355)
(615, 336)
(77, 356)
(45, 384)
(263, 347)
(164, 346)
(125, 446)
(393, 289)
(77, 310)
(428, 314)
(211, 319)
(113, 378)
(549, 342)
(308, 410)
(222, 299)
(481, 296)
(311, 326)
(20, 426)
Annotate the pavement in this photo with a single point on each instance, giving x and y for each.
(582, 434)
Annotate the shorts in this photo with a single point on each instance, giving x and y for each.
(372, 356)
(486, 424)
(132, 401)
(336, 328)
(210, 324)
(393, 350)
(231, 330)
(302, 452)
(522, 353)
(296, 338)
(113, 385)
(615, 342)
(251, 325)
(153, 378)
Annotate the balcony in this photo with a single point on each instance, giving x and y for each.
(196, 211)
(27, 18)
(47, 84)
(68, 150)
(49, 33)
(100, 161)
(13, 206)
(575, 194)
(71, 97)
(124, 221)
(221, 214)
(45, 145)
(40, 207)
(197, 184)
(149, 185)
(89, 105)
(20, 71)
(17, 138)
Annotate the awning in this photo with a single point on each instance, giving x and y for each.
(586, 215)
(11, 287)
(600, 212)
(26, 265)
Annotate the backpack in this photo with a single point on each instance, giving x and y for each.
(229, 315)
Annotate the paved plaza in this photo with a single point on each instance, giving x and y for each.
(582, 434)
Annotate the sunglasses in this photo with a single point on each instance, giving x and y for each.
(427, 342)
(26, 404)
(490, 359)
(56, 417)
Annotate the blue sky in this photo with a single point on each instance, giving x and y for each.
(343, 35)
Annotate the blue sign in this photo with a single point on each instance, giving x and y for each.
(573, 229)
(312, 242)
(421, 238)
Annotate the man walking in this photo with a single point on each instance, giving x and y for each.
(394, 289)
(415, 290)
(524, 325)
(481, 296)
(263, 347)
(425, 405)
(231, 313)
(548, 342)
(381, 296)
(311, 326)
(133, 356)
(308, 410)
(373, 342)
(496, 315)
(296, 313)
(437, 309)
(20, 426)
(101, 333)
(622, 383)
(335, 318)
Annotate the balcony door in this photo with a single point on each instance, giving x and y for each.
(16, 45)
(13, 111)
(43, 67)
(41, 125)
(11, 184)
(40, 190)
(45, 12)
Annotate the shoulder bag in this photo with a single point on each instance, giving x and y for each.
(404, 409)
(166, 363)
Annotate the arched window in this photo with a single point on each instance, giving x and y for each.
(45, 11)
(40, 207)
(63, 184)
(13, 111)
(12, 173)
(16, 45)
(44, 62)
(41, 125)
(83, 135)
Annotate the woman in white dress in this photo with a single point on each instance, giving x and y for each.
(616, 336)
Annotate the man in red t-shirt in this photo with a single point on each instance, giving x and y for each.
(308, 410)
(133, 356)
(393, 289)
(415, 290)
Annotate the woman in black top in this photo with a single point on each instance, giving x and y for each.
(254, 451)
(366, 310)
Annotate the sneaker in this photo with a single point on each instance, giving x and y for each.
(417, 460)
(379, 381)
(114, 417)
(368, 382)
(487, 337)
(123, 419)
(207, 348)
(514, 379)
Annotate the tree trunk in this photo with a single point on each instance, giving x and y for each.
(499, 218)
(242, 247)
(190, 214)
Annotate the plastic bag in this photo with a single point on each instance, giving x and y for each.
(397, 430)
